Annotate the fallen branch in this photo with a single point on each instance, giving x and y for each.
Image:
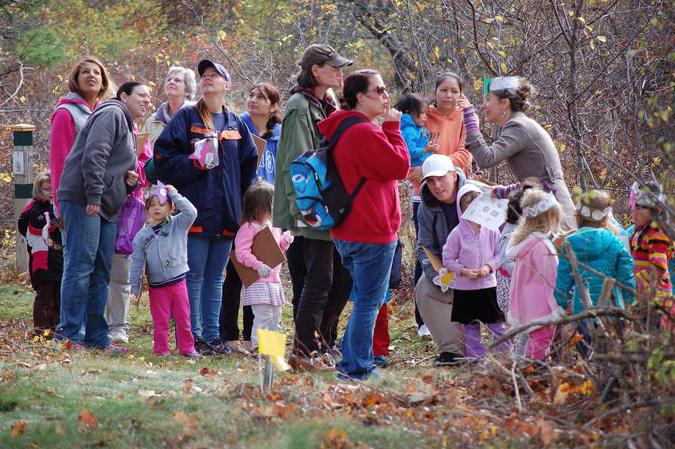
(592, 313)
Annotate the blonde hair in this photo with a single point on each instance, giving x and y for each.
(41, 178)
(596, 200)
(545, 222)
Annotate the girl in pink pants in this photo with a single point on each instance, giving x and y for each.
(161, 246)
(534, 276)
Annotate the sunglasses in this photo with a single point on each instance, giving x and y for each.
(380, 90)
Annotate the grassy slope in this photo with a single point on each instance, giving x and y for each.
(143, 401)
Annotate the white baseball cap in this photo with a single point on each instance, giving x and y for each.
(437, 165)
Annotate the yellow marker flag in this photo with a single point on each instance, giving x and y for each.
(273, 344)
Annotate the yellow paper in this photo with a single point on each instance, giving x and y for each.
(271, 343)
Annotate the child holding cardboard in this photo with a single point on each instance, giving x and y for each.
(265, 295)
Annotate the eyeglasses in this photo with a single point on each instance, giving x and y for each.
(380, 90)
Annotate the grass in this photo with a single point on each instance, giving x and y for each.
(139, 400)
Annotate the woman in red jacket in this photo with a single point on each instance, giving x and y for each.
(366, 239)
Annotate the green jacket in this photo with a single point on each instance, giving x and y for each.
(299, 133)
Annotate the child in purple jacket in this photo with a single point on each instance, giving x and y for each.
(471, 252)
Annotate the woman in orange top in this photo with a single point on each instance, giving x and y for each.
(445, 124)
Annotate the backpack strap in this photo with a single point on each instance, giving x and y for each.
(342, 127)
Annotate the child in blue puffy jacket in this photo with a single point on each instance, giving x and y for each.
(413, 121)
(599, 249)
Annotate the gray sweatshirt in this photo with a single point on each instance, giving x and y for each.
(164, 253)
(529, 151)
(95, 170)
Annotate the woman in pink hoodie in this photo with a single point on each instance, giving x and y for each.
(471, 252)
(534, 277)
(88, 83)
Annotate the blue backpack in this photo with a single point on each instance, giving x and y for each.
(320, 194)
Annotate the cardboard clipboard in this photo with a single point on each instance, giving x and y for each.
(266, 249)
(260, 144)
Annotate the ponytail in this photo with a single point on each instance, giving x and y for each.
(205, 114)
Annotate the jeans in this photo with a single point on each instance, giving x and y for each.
(88, 250)
(207, 258)
(370, 267)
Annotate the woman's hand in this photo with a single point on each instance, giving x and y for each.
(131, 178)
(93, 209)
(463, 103)
(392, 114)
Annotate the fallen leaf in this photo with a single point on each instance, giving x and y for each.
(87, 420)
(335, 439)
(564, 389)
(187, 386)
(190, 424)
(18, 428)
(546, 432)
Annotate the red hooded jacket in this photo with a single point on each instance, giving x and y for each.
(379, 155)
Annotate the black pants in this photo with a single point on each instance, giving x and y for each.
(323, 293)
(47, 306)
(295, 256)
(229, 308)
(418, 266)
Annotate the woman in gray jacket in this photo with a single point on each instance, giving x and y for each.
(522, 142)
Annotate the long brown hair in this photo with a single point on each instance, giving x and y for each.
(205, 114)
(274, 96)
(106, 85)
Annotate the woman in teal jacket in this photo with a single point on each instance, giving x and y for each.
(598, 248)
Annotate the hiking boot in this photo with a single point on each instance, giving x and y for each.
(119, 337)
(218, 348)
(301, 364)
(236, 347)
(202, 348)
(447, 359)
(192, 355)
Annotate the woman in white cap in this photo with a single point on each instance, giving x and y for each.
(437, 216)
(523, 143)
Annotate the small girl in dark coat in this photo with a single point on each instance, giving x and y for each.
(43, 239)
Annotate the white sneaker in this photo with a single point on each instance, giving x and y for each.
(119, 338)
(423, 331)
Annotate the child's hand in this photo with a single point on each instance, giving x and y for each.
(288, 237)
(170, 189)
(431, 147)
(469, 273)
(484, 271)
(264, 271)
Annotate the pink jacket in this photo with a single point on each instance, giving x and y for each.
(143, 157)
(533, 281)
(62, 137)
(465, 248)
(244, 240)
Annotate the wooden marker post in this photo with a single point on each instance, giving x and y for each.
(22, 169)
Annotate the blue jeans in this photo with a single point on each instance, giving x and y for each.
(88, 250)
(370, 267)
(207, 258)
